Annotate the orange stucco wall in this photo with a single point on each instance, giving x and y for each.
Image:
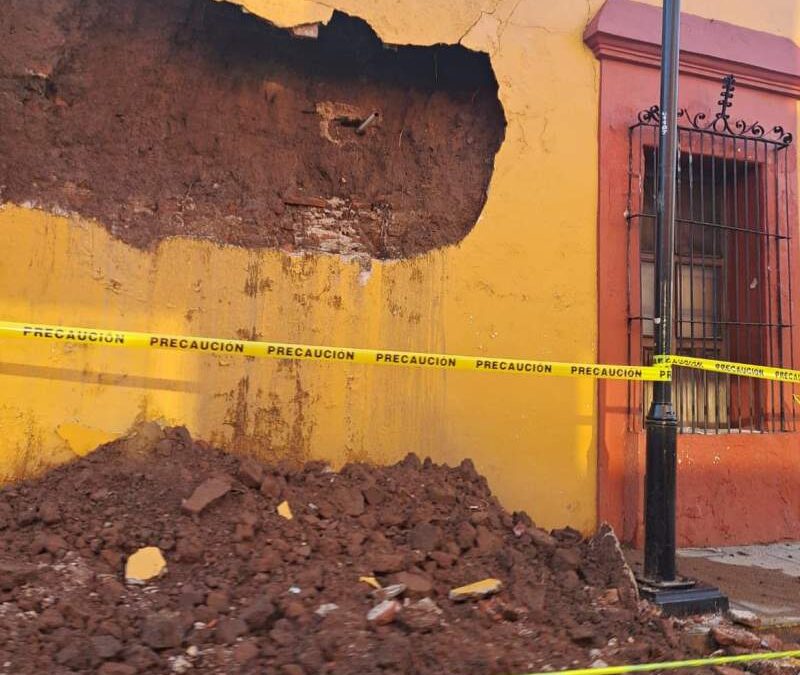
(732, 488)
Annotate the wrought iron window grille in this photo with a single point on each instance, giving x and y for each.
(733, 274)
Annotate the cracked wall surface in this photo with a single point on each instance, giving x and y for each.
(521, 284)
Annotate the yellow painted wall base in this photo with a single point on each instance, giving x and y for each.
(57, 401)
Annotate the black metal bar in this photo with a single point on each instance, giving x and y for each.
(703, 375)
(661, 423)
(629, 283)
(716, 302)
(779, 294)
(726, 323)
(678, 378)
(647, 389)
(691, 391)
(719, 226)
(735, 394)
(780, 145)
(748, 305)
(761, 261)
(789, 275)
(768, 300)
(728, 302)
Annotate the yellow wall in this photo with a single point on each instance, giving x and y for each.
(521, 284)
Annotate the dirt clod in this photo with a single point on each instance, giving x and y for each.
(162, 632)
(116, 668)
(228, 629)
(251, 473)
(415, 584)
(106, 646)
(245, 652)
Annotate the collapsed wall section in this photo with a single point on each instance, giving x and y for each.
(192, 118)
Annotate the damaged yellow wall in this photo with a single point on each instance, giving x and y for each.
(521, 284)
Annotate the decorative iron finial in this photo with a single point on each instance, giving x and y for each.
(728, 86)
(720, 124)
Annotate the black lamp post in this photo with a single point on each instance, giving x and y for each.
(660, 582)
(661, 422)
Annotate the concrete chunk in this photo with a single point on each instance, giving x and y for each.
(284, 510)
(145, 564)
(480, 589)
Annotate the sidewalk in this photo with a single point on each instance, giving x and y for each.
(763, 579)
(762, 582)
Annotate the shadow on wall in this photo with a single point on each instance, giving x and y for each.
(84, 376)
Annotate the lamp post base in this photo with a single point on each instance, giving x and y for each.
(683, 597)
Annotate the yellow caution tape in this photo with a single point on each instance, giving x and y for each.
(676, 665)
(278, 350)
(731, 368)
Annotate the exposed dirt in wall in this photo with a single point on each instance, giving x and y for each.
(190, 117)
(246, 590)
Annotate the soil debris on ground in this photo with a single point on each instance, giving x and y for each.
(358, 581)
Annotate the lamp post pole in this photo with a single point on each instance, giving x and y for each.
(662, 422)
(660, 582)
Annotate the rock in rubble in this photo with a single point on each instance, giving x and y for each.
(415, 584)
(245, 652)
(567, 559)
(142, 439)
(162, 632)
(116, 668)
(384, 612)
(727, 636)
(251, 473)
(479, 589)
(422, 616)
(349, 500)
(205, 494)
(106, 646)
(260, 613)
(425, 537)
(145, 564)
(13, 574)
(49, 513)
(386, 563)
(230, 628)
(744, 618)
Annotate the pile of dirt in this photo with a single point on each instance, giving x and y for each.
(248, 590)
(191, 118)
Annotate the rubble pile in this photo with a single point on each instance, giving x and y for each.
(158, 553)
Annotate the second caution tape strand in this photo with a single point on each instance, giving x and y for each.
(681, 665)
(731, 368)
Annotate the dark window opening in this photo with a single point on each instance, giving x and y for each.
(732, 294)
